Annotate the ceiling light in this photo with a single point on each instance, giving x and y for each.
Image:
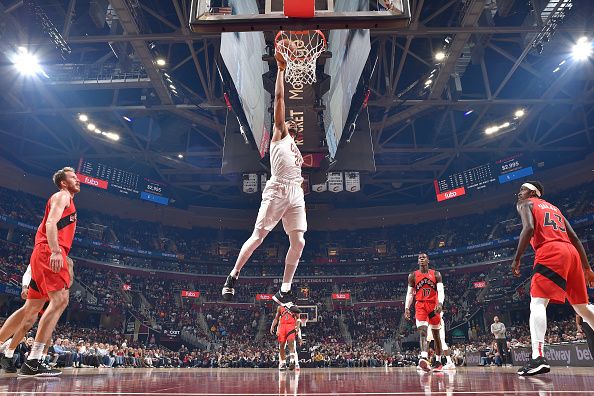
(519, 113)
(491, 130)
(166, 75)
(112, 136)
(97, 130)
(582, 49)
(26, 63)
(468, 112)
(161, 62)
(504, 125)
(556, 69)
(428, 82)
(83, 117)
(127, 118)
(91, 127)
(180, 156)
(439, 56)
(172, 86)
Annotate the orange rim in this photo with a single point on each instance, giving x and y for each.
(278, 39)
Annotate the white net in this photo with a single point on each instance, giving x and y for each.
(300, 49)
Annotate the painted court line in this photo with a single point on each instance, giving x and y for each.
(523, 391)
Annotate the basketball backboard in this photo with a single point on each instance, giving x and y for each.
(211, 16)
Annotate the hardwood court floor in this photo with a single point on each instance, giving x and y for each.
(372, 381)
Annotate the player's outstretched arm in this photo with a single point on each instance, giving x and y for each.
(409, 295)
(440, 292)
(525, 211)
(58, 203)
(275, 321)
(280, 128)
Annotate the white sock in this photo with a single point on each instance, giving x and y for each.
(285, 287)
(295, 357)
(9, 353)
(424, 355)
(538, 325)
(234, 273)
(36, 351)
(43, 356)
(438, 358)
(5, 345)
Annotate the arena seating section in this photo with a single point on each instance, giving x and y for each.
(363, 331)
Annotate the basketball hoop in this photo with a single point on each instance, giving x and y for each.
(300, 49)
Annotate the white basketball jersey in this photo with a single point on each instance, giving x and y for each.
(285, 159)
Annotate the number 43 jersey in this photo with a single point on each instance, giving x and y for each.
(557, 273)
(549, 224)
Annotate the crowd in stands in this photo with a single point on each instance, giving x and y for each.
(345, 335)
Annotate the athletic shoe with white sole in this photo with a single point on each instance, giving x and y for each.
(535, 366)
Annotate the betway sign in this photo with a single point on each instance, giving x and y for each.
(91, 181)
(458, 192)
(190, 294)
(572, 355)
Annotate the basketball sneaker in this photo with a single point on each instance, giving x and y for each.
(437, 366)
(282, 366)
(228, 291)
(286, 300)
(424, 365)
(535, 366)
(449, 366)
(292, 365)
(8, 364)
(34, 368)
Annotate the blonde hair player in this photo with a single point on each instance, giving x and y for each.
(282, 199)
(49, 267)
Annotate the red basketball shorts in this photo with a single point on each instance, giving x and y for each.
(557, 274)
(423, 309)
(43, 279)
(286, 332)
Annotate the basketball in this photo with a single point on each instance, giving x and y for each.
(285, 46)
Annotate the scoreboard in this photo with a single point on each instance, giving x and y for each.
(122, 182)
(501, 171)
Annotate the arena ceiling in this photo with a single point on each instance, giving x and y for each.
(508, 56)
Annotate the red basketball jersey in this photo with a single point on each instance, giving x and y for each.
(66, 226)
(549, 224)
(287, 317)
(425, 286)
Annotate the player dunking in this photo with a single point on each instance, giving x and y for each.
(289, 329)
(560, 271)
(427, 287)
(49, 268)
(282, 198)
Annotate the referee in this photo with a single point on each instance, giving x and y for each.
(498, 330)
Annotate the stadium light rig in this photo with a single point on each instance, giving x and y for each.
(27, 63)
(582, 49)
(83, 118)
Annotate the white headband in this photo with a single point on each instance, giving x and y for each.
(532, 187)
